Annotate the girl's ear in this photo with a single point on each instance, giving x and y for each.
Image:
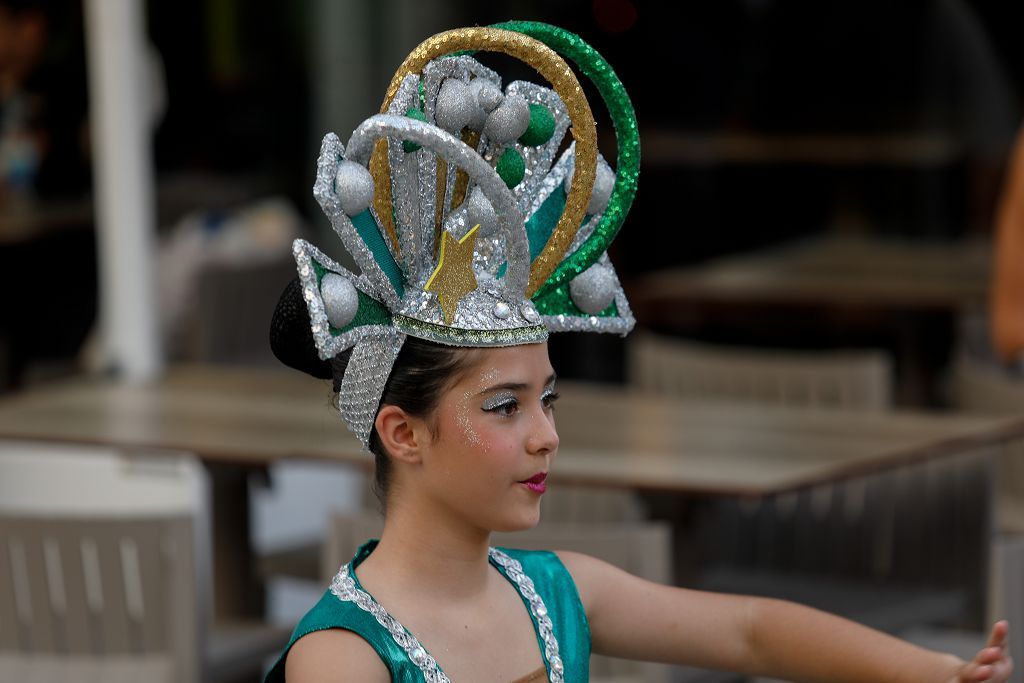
(399, 433)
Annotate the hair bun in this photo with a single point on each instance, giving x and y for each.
(291, 338)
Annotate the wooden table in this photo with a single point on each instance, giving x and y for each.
(609, 437)
(910, 292)
(236, 420)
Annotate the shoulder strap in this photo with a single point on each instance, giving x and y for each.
(330, 612)
(554, 584)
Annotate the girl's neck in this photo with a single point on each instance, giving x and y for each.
(418, 550)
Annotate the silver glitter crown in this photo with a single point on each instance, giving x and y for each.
(447, 201)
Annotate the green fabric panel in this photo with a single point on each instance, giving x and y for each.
(368, 229)
(416, 114)
(371, 311)
(542, 223)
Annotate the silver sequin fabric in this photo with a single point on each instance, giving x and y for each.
(368, 369)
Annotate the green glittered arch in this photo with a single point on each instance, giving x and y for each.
(627, 137)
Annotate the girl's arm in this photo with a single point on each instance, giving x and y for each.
(633, 618)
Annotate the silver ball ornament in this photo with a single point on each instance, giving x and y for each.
(455, 106)
(604, 183)
(486, 94)
(341, 300)
(593, 290)
(480, 212)
(353, 185)
(485, 97)
(509, 120)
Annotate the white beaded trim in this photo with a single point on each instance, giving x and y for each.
(344, 588)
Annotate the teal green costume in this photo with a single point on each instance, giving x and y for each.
(543, 582)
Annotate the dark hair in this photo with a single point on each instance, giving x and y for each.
(423, 371)
(421, 374)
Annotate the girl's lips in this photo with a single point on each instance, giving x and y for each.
(536, 483)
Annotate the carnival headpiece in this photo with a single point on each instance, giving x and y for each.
(468, 227)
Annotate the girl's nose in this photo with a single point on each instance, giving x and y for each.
(543, 437)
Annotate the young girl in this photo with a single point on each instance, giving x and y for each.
(438, 354)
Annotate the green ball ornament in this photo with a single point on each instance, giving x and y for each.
(511, 167)
(541, 128)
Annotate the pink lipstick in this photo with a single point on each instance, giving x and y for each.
(536, 482)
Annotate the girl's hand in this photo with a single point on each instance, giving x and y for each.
(992, 664)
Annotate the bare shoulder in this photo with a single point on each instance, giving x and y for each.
(334, 656)
(593, 577)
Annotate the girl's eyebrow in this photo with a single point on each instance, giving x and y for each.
(517, 386)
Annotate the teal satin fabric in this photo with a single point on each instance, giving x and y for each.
(551, 580)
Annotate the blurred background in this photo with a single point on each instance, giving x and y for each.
(762, 122)
(820, 180)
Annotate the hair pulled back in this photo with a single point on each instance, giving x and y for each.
(421, 374)
(423, 371)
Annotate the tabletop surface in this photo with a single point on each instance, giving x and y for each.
(609, 436)
(834, 269)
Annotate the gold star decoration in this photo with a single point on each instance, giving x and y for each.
(453, 278)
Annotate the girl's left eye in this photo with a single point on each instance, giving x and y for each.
(549, 399)
(506, 408)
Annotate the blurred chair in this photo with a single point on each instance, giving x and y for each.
(234, 304)
(982, 386)
(845, 547)
(640, 548)
(851, 380)
(104, 572)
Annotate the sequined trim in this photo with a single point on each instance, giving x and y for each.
(453, 336)
(362, 387)
(344, 587)
(524, 584)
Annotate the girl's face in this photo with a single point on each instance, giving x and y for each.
(495, 439)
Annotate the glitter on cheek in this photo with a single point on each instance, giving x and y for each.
(464, 410)
(462, 417)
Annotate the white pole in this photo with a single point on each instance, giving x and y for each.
(123, 182)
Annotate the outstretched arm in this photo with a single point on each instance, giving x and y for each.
(637, 619)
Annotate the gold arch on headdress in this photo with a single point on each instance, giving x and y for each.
(563, 81)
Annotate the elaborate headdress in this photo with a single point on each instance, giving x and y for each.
(466, 228)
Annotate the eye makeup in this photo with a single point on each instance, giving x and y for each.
(498, 400)
(549, 396)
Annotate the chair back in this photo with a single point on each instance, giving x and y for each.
(98, 566)
(853, 379)
(640, 548)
